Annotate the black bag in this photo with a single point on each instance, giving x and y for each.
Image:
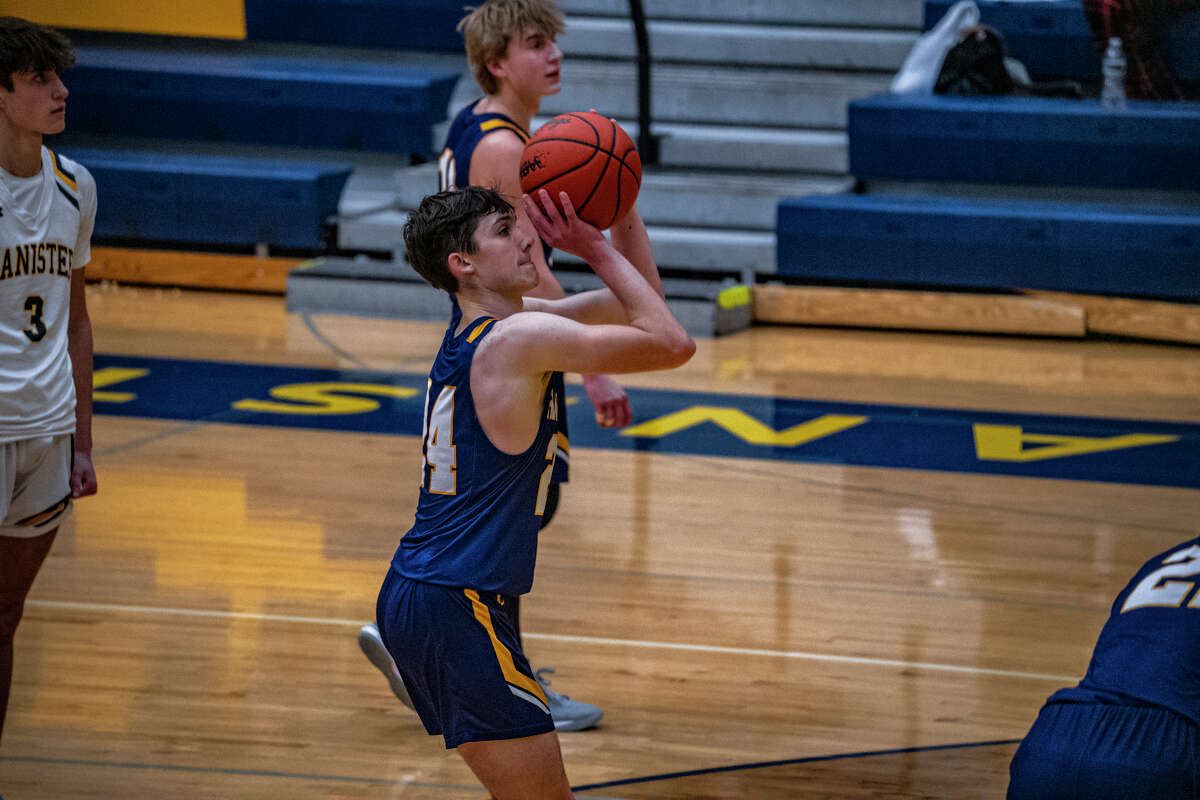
(975, 65)
(979, 64)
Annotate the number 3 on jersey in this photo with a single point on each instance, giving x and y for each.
(441, 459)
(1156, 590)
(36, 306)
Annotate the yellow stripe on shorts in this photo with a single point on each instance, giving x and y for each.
(511, 674)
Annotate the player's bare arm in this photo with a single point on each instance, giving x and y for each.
(631, 240)
(597, 306)
(511, 366)
(638, 291)
(497, 164)
(79, 345)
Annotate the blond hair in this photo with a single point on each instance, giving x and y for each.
(488, 29)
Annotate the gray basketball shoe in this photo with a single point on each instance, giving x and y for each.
(377, 654)
(568, 714)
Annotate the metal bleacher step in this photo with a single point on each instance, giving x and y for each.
(732, 252)
(709, 94)
(747, 44)
(730, 200)
(378, 288)
(732, 229)
(872, 13)
(730, 147)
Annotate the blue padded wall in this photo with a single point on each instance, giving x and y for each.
(257, 99)
(991, 244)
(1019, 140)
(395, 24)
(215, 201)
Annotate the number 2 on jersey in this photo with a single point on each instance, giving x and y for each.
(1158, 591)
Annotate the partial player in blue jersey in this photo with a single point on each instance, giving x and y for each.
(1131, 728)
(511, 47)
(489, 445)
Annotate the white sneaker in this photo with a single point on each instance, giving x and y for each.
(373, 648)
(568, 714)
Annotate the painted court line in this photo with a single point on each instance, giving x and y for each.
(586, 640)
(253, 773)
(790, 762)
(582, 788)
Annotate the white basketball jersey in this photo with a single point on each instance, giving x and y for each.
(45, 233)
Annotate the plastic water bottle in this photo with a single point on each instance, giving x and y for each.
(1113, 69)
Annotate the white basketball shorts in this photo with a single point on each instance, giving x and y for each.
(35, 485)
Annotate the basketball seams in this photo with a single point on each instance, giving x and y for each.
(616, 201)
(605, 179)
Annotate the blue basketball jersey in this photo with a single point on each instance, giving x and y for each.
(466, 132)
(1149, 650)
(479, 511)
(454, 172)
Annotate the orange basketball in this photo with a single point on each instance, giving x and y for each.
(589, 157)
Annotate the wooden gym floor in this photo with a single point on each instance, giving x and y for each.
(753, 627)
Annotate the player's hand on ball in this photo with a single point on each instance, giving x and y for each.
(560, 227)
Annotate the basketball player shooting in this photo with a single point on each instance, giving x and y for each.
(446, 609)
(511, 47)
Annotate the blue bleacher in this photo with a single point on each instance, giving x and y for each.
(180, 93)
(1053, 40)
(906, 146)
(991, 244)
(236, 201)
(1024, 140)
(393, 24)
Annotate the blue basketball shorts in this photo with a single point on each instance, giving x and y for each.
(460, 656)
(1094, 751)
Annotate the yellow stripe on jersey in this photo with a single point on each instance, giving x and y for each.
(479, 329)
(511, 674)
(492, 124)
(62, 174)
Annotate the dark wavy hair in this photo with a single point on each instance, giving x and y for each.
(445, 223)
(28, 47)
